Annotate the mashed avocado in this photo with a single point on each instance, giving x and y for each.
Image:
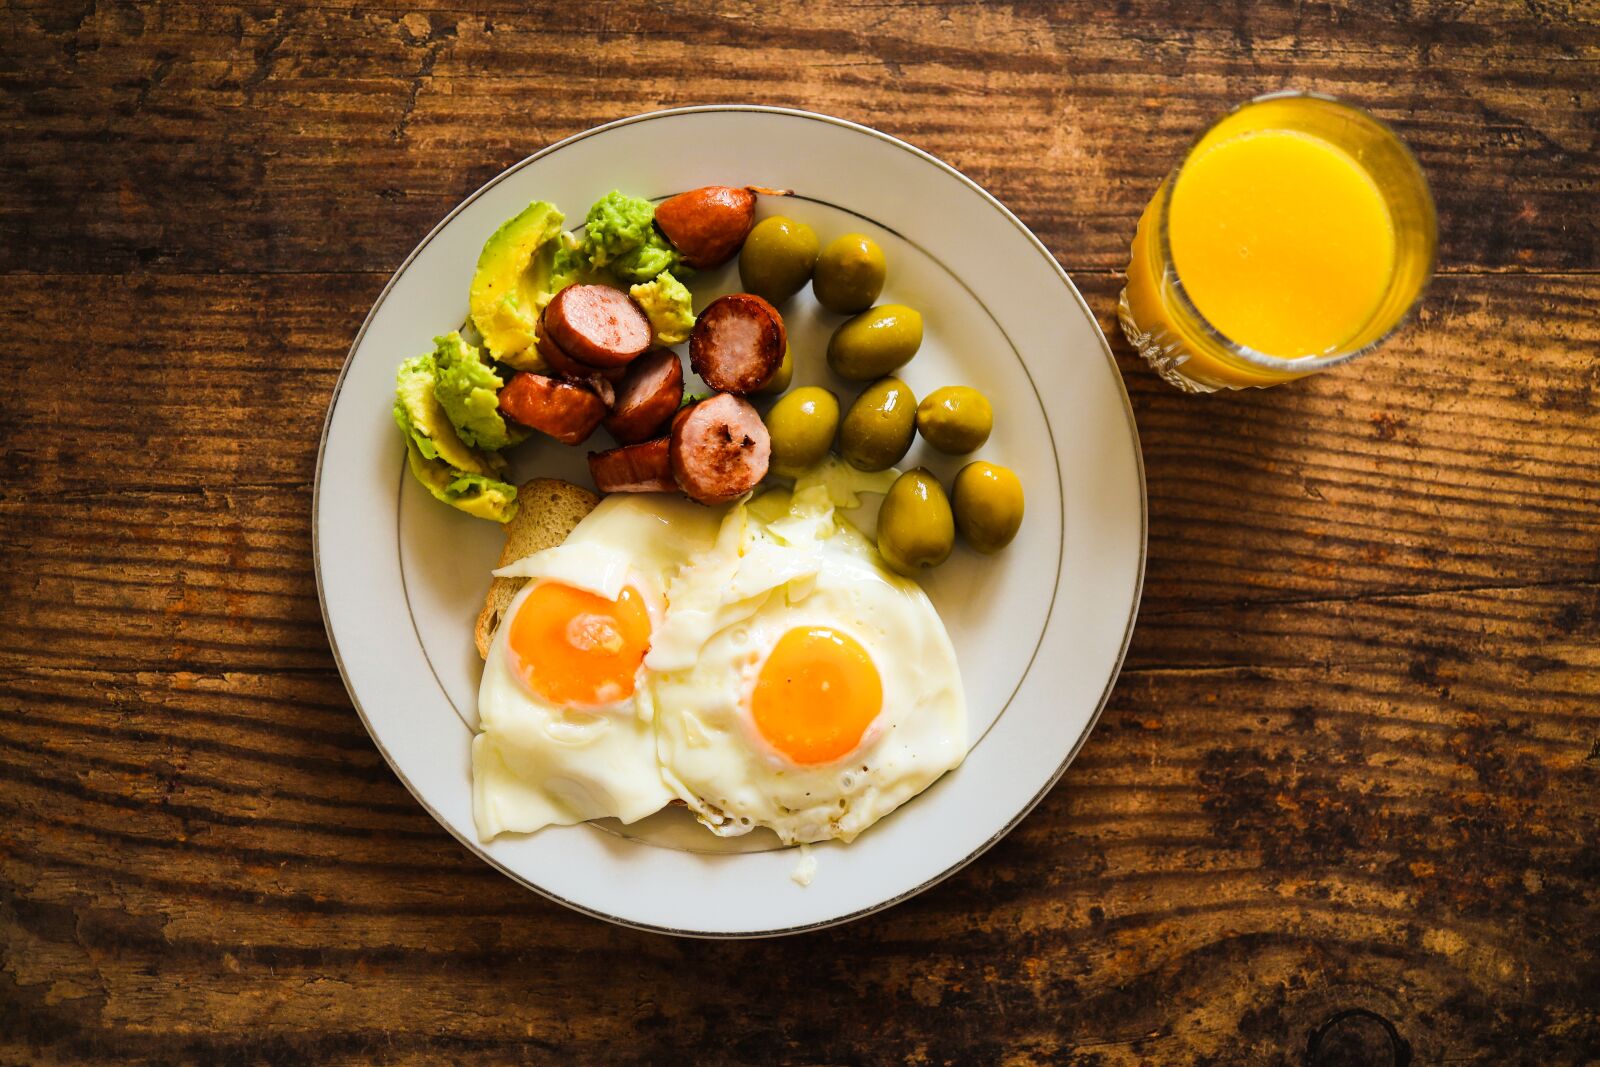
(572, 267)
(667, 303)
(422, 417)
(468, 390)
(452, 470)
(620, 236)
(512, 284)
(474, 494)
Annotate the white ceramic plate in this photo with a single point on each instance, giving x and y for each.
(1040, 629)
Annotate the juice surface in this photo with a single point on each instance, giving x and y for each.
(1281, 240)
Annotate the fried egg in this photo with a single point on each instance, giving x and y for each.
(565, 711)
(798, 684)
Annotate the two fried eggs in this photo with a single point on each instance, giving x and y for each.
(757, 662)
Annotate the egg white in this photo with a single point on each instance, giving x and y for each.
(535, 764)
(788, 561)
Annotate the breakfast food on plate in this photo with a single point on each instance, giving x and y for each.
(621, 239)
(877, 430)
(669, 306)
(552, 508)
(647, 395)
(564, 711)
(876, 342)
(802, 425)
(452, 470)
(798, 685)
(720, 449)
(778, 383)
(576, 332)
(737, 343)
(955, 419)
(554, 360)
(562, 409)
(988, 505)
(755, 662)
(645, 467)
(707, 225)
(778, 258)
(512, 281)
(915, 526)
(597, 326)
(849, 274)
(691, 638)
(466, 388)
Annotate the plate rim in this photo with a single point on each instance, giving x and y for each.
(1105, 350)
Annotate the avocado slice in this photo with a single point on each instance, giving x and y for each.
(474, 494)
(426, 425)
(512, 283)
(620, 235)
(468, 390)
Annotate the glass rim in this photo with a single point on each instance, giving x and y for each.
(1251, 356)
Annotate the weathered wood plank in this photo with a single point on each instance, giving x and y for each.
(127, 125)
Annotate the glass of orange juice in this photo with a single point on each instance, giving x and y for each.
(1296, 234)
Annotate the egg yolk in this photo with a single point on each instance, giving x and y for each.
(816, 695)
(576, 648)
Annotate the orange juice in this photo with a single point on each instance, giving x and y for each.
(1284, 243)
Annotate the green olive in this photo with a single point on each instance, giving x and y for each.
(955, 420)
(915, 529)
(777, 258)
(802, 425)
(875, 342)
(849, 274)
(988, 502)
(781, 377)
(878, 428)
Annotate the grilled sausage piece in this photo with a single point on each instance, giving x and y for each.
(639, 468)
(720, 449)
(737, 343)
(565, 366)
(707, 225)
(646, 396)
(597, 325)
(565, 411)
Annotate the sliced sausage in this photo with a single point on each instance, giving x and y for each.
(639, 468)
(647, 396)
(720, 449)
(563, 365)
(565, 411)
(737, 343)
(597, 325)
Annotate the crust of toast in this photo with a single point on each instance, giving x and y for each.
(548, 510)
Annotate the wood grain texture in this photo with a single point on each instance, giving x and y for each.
(1353, 763)
(136, 120)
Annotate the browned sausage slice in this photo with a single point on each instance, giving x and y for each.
(737, 343)
(720, 449)
(567, 412)
(637, 468)
(565, 366)
(647, 396)
(597, 325)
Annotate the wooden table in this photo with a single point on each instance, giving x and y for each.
(1346, 797)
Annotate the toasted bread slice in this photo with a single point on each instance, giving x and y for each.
(548, 510)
